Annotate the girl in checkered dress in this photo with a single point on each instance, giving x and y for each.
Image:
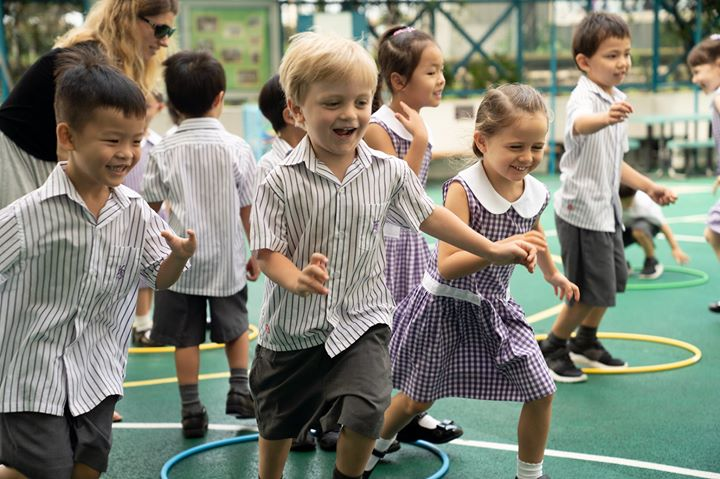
(460, 333)
(704, 62)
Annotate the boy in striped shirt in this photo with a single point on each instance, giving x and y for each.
(322, 356)
(73, 252)
(207, 175)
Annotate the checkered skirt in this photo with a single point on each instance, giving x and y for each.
(445, 347)
(406, 257)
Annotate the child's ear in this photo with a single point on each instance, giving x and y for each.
(582, 62)
(298, 119)
(288, 117)
(480, 142)
(64, 137)
(218, 99)
(397, 81)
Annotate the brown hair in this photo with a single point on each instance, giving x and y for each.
(502, 105)
(707, 51)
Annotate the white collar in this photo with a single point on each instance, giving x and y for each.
(387, 116)
(528, 205)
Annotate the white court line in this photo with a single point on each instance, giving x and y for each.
(177, 425)
(594, 458)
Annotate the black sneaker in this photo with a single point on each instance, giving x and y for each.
(714, 307)
(240, 405)
(593, 355)
(194, 422)
(562, 369)
(305, 442)
(444, 432)
(651, 269)
(143, 339)
(328, 439)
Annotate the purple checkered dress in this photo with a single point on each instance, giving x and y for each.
(406, 251)
(713, 220)
(478, 347)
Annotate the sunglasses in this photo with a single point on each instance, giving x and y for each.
(160, 31)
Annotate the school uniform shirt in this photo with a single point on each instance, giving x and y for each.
(590, 167)
(134, 179)
(301, 208)
(68, 287)
(643, 207)
(206, 174)
(279, 149)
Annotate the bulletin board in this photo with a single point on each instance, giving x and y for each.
(244, 37)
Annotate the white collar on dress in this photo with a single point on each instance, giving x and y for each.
(387, 116)
(528, 205)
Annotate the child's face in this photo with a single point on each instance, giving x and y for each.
(427, 81)
(608, 66)
(105, 149)
(707, 76)
(335, 115)
(512, 153)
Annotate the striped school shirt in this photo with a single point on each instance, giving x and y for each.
(302, 208)
(590, 167)
(68, 287)
(206, 174)
(279, 149)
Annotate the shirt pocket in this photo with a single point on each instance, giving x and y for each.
(122, 270)
(370, 223)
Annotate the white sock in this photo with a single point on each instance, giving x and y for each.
(529, 471)
(428, 422)
(381, 445)
(143, 323)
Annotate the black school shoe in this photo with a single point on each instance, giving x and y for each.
(240, 405)
(194, 422)
(714, 307)
(305, 442)
(444, 432)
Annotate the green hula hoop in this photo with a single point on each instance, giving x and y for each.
(700, 277)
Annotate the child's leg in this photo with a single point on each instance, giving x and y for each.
(9, 473)
(713, 239)
(272, 457)
(82, 471)
(353, 451)
(238, 351)
(645, 242)
(143, 320)
(187, 364)
(571, 317)
(239, 400)
(533, 428)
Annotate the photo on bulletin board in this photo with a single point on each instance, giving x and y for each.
(242, 36)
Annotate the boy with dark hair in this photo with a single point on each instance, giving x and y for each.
(207, 175)
(73, 252)
(588, 214)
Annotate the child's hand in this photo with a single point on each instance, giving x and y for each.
(715, 185)
(252, 269)
(182, 247)
(412, 121)
(661, 195)
(619, 112)
(313, 277)
(563, 287)
(680, 256)
(534, 237)
(515, 252)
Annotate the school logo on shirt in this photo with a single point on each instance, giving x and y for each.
(375, 226)
(120, 272)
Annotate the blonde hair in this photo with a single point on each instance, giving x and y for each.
(501, 106)
(113, 23)
(313, 57)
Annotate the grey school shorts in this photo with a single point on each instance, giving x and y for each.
(180, 320)
(650, 230)
(43, 446)
(594, 261)
(296, 390)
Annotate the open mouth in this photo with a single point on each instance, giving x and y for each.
(519, 168)
(117, 168)
(344, 131)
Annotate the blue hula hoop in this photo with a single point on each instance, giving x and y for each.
(444, 468)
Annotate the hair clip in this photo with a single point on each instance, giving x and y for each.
(403, 30)
(714, 36)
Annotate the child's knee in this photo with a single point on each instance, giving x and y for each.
(410, 407)
(542, 403)
(712, 238)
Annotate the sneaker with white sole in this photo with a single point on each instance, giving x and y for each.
(561, 367)
(593, 355)
(652, 269)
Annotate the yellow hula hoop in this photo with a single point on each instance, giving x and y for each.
(203, 347)
(653, 368)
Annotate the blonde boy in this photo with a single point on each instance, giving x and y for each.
(322, 355)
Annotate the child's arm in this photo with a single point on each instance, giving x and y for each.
(278, 268)
(631, 177)
(376, 137)
(445, 226)
(252, 267)
(589, 124)
(454, 262)
(181, 249)
(563, 287)
(680, 256)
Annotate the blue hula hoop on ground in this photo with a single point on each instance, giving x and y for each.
(254, 437)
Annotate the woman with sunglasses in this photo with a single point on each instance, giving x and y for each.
(133, 34)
